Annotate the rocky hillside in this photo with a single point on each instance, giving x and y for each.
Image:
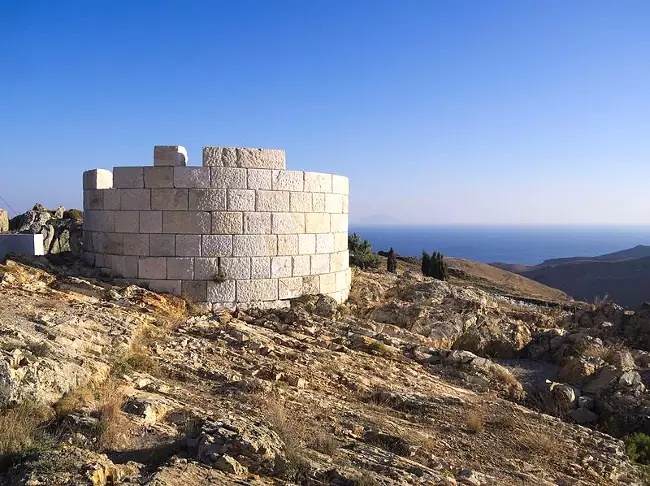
(413, 381)
(623, 276)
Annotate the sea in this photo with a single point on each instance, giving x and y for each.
(527, 245)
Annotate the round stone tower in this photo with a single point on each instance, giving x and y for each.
(241, 229)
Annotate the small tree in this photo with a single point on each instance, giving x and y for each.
(434, 266)
(391, 263)
(426, 263)
(361, 253)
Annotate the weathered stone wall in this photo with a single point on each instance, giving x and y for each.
(239, 229)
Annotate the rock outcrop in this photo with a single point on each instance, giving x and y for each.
(412, 382)
(61, 229)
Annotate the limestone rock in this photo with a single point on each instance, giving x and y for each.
(4, 221)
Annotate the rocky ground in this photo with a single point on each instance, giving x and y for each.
(413, 381)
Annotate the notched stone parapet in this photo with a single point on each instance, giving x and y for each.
(169, 155)
(248, 158)
(98, 179)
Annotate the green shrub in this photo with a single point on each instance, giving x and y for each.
(361, 253)
(638, 447)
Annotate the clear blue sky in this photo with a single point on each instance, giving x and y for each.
(438, 111)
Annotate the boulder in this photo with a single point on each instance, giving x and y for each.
(577, 369)
(621, 358)
(582, 416)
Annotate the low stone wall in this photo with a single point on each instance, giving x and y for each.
(239, 229)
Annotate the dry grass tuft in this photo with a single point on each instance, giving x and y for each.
(475, 421)
(104, 402)
(114, 427)
(539, 444)
(292, 429)
(22, 428)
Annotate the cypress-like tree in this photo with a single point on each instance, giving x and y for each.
(391, 263)
(426, 263)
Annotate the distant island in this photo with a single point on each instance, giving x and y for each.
(622, 276)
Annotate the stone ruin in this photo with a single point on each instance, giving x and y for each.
(241, 229)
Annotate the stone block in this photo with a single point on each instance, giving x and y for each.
(318, 182)
(111, 199)
(320, 264)
(135, 199)
(281, 266)
(287, 180)
(191, 177)
(341, 280)
(346, 208)
(125, 266)
(186, 222)
(97, 179)
(23, 243)
(288, 245)
(98, 241)
(311, 285)
(152, 268)
(257, 290)
(206, 268)
(340, 184)
(317, 223)
(93, 199)
(333, 203)
(170, 155)
(150, 221)
(307, 244)
(340, 241)
(162, 245)
(180, 268)
(188, 245)
(255, 245)
(339, 223)
(228, 178)
(158, 177)
(194, 290)
(241, 200)
(259, 179)
(260, 267)
(324, 243)
(272, 201)
(257, 223)
(318, 202)
(216, 245)
(222, 292)
(99, 220)
(88, 258)
(128, 177)
(136, 244)
(243, 157)
(236, 268)
(288, 223)
(227, 223)
(301, 265)
(172, 287)
(169, 199)
(114, 243)
(327, 283)
(300, 202)
(339, 261)
(127, 221)
(86, 239)
(207, 199)
(289, 288)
